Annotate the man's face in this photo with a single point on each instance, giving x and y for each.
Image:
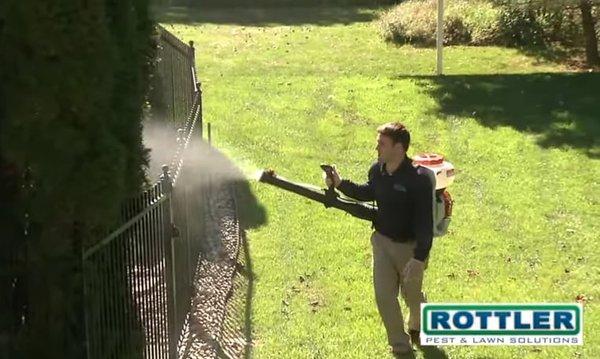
(387, 150)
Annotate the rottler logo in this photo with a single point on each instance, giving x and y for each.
(501, 324)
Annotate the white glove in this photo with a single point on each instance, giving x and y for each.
(413, 270)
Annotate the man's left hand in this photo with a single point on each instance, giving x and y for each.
(413, 270)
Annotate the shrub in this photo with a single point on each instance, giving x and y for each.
(455, 31)
(485, 22)
(411, 22)
(520, 27)
(540, 24)
(481, 18)
(466, 22)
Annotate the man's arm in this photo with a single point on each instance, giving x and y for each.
(423, 219)
(362, 192)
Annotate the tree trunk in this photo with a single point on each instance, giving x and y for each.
(589, 31)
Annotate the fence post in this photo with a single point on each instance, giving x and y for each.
(167, 190)
(196, 85)
(192, 64)
(173, 101)
(200, 116)
(209, 129)
(440, 38)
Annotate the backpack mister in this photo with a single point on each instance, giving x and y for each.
(441, 174)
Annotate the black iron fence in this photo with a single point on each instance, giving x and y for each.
(174, 83)
(138, 280)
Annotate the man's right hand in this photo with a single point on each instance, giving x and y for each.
(336, 178)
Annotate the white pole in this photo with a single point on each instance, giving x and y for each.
(440, 37)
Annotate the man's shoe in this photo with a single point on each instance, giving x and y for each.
(401, 349)
(415, 336)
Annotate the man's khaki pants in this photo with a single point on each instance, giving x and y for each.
(389, 260)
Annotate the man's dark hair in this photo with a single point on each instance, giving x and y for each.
(397, 132)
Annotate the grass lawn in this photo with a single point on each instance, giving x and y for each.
(289, 89)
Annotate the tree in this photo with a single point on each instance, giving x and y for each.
(589, 31)
(572, 22)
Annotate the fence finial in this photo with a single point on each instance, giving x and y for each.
(180, 135)
(165, 179)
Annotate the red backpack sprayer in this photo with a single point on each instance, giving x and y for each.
(440, 171)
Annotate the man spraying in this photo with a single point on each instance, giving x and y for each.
(403, 231)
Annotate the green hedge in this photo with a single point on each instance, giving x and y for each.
(73, 79)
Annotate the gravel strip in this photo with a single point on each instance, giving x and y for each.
(215, 328)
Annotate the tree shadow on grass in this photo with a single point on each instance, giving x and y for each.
(267, 16)
(562, 108)
(572, 57)
(251, 213)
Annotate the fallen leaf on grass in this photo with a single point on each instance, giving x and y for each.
(581, 298)
(473, 272)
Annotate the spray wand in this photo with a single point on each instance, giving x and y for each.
(329, 197)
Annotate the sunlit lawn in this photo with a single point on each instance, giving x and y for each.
(292, 88)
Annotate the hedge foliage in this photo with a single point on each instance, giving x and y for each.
(485, 22)
(73, 80)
